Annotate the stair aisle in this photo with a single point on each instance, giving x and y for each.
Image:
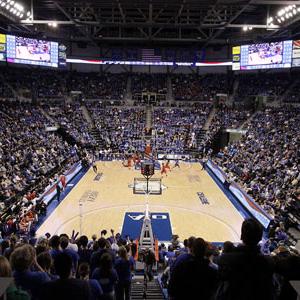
(151, 292)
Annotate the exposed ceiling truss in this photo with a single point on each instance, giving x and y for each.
(204, 22)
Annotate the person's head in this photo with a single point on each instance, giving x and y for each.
(40, 248)
(54, 242)
(44, 259)
(185, 243)
(84, 270)
(123, 253)
(252, 232)
(42, 240)
(94, 237)
(190, 242)
(170, 248)
(199, 247)
(22, 258)
(4, 245)
(83, 241)
(5, 269)
(64, 242)
(63, 265)
(228, 247)
(106, 263)
(102, 243)
(12, 241)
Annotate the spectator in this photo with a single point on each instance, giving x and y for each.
(54, 244)
(96, 256)
(95, 288)
(65, 287)
(12, 244)
(64, 242)
(193, 277)
(107, 276)
(12, 292)
(22, 260)
(246, 268)
(287, 269)
(83, 251)
(149, 261)
(124, 266)
(45, 260)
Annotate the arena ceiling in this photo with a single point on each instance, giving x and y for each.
(180, 21)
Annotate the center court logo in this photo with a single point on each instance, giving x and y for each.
(153, 217)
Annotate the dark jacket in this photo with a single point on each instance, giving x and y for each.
(192, 279)
(245, 274)
(63, 289)
(287, 269)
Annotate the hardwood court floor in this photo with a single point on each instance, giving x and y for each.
(105, 202)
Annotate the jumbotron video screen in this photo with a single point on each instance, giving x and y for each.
(2, 47)
(32, 51)
(263, 56)
(296, 53)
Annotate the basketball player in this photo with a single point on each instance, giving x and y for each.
(95, 169)
(129, 162)
(176, 164)
(137, 159)
(168, 165)
(163, 170)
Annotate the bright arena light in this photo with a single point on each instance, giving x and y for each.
(14, 8)
(246, 28)
(285, 13)
(52, 24)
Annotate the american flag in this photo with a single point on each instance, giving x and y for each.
(149, 55)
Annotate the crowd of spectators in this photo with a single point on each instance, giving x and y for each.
(177, 128)
(58, 84)
(262, 84)
(31, 159)
(255, 269)
(54, 84)
(224, 118)
(98, 86)
(293, 96)
(5, 91)
(120, 128)
(266, 160)
(61, 267)
(193, 87)
(70, 117)
(148, 83)
(28, 152)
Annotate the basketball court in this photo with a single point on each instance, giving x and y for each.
(190, 198)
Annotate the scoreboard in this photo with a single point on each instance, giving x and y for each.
(22, 50)
(283, 54)
(296, 53)
(2, 47)
(262, 56)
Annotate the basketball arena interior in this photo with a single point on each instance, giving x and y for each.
(149, 149)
